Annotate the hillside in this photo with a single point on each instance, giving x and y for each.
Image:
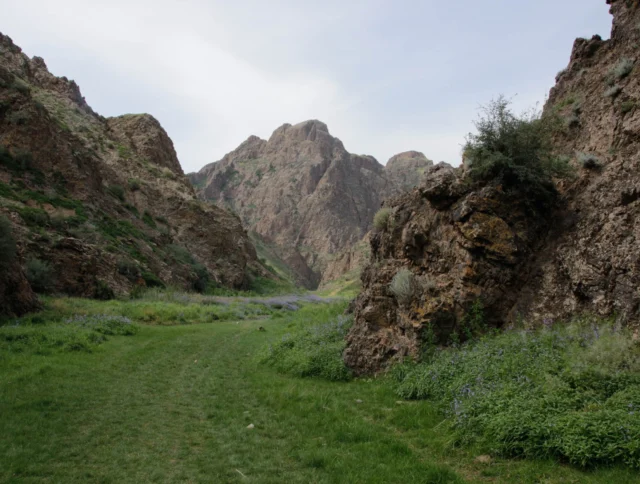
(98, 206)
(305, 196)
(459, 244)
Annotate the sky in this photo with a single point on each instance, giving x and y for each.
(386, 76)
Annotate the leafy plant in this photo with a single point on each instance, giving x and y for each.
(569, 392)
(516, 152)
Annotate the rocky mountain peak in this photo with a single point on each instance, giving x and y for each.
(305, 195)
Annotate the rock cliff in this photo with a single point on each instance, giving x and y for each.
(305, 195)
(103, 204)
(462, 244)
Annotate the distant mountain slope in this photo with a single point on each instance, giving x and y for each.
(102, 204)
(302, 192)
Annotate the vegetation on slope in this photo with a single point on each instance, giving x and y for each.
(516, 152)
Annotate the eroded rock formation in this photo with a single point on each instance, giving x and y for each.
(103, 202)
(463, 245)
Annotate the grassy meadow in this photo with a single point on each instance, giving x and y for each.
(178, 387)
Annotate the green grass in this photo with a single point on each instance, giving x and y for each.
(172, 404)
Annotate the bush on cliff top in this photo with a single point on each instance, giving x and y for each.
(516, 152)
(569, 392)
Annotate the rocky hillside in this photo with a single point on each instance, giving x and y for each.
(98, 206)
(304, 195)
(455, 246)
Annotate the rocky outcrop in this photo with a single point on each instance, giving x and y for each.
(464, 244)
(405, 171)
(304, 193)
(104, 202)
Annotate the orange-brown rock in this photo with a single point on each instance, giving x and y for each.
(463, 244)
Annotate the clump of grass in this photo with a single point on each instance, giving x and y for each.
(403, 286)
(569, 392)
(314, 351)
(147, 218)
(107, 324)
(622, 69)
(381, 218)
(589, 161)
(40, 275)
(614, 91)
(627, 106)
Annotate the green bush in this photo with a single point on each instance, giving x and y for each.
(569, 393)
(40, 275)
(147, 218)
(129, 269)
(516, 152)
(134, 184)
(151, 280)
(315, 351)
(34, 216)
(381, 218)
(7, 244)
(103, 291)
(403, 286)
(589, 161)
(116, 191)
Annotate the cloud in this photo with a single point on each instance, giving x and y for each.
(386, 76)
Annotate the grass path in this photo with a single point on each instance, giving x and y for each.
(172, 404)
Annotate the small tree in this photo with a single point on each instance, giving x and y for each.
(516, 152)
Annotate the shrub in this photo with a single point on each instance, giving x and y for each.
(134, 184)
(151, 280)
(561, 73)
(589, 161)
(381, 218)
(201, 283)
(568, 393)
(103, 292)
(516, 152)
(627, 106)
(613, 91)
(34, 216)
(315, 351)
(116, 191)
(147, 218)
(622, 69)
(7, 244)
(40, 275)
(403, 286)
(129, 270)
(18, 118)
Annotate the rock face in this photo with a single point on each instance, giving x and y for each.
(104, 202)
(302, 192)
(462, 245)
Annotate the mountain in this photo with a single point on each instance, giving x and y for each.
(304, 195)
(454, 244)
(98, 206)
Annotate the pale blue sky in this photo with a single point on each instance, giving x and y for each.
(385, 75)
